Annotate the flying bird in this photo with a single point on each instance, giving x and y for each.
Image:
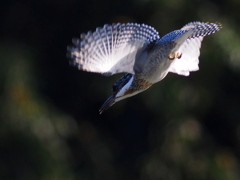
(138, 51)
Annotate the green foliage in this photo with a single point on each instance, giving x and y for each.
(182, 128)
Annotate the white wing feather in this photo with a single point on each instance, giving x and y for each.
(111, 49)
(190, 49)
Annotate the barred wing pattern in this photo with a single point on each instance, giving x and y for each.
(190, 49)
(111, 49)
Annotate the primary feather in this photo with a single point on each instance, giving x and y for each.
(111, 49)
(190, 49)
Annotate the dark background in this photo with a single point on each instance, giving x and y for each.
(182, 128)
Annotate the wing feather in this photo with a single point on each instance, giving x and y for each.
(112, 48)
(190, 48)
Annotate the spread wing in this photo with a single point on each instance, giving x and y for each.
(190, 49)
(111, 49)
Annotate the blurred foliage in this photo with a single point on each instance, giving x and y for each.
(181, 128)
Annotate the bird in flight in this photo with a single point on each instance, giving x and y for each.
(138, 51)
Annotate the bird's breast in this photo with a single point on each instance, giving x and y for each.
(138, 85)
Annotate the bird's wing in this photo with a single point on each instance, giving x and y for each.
(111, 49)
(190, 48)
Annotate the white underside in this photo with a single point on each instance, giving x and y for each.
(119, 95)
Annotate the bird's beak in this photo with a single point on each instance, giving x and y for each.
(107, 104)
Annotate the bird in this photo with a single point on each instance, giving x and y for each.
(137, 50)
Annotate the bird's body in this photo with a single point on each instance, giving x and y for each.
(139, 51)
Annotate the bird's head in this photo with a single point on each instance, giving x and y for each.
(119, 91)
(125, 87)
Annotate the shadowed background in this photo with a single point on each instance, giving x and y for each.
(181, 128)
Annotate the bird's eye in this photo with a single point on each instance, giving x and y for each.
(171, 56)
